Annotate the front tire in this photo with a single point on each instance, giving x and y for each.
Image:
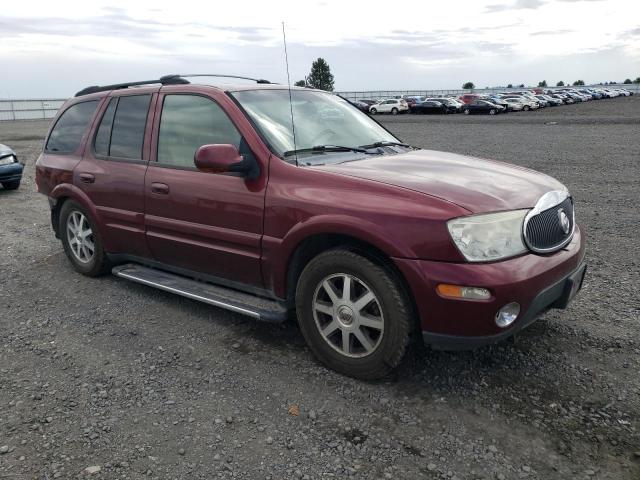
(373, 111)
(353, 314)
(466, 111)
(81, 241)
(492, 111)
(394, 111)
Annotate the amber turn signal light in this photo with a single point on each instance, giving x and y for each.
(458, 291)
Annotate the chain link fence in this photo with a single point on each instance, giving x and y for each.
(29, 109)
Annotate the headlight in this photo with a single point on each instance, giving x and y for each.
(483, 238)
(7, 160)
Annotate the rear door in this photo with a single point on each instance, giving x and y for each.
(113, 169)
(199, 221)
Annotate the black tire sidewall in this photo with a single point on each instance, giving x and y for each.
(392, 300)
(12, 185)
(99, 264)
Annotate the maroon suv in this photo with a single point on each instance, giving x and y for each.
(267, 201)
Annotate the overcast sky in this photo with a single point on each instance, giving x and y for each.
(54, 48)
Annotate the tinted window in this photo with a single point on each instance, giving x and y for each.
(103, 137)
(187, 123)
(127, 133)
(67, 133)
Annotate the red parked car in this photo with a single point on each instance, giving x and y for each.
(206, 192)
(469, 98)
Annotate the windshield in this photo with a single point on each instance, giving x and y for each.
(320, 119)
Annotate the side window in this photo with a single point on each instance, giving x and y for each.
(187, 123)
(67, 133)
(127, 132)
(103, 137)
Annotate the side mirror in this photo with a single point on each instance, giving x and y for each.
(224, 158)
(218, 158)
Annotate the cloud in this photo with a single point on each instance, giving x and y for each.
(551, 32)
(517, 5)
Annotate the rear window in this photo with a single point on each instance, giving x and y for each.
(70, 127)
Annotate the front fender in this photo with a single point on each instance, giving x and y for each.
(278, 252)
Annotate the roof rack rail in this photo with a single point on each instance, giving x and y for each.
(257, 80)
(165, 80)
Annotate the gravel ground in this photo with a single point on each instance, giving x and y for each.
(101, 378)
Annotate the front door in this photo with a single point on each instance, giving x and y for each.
(205, 222)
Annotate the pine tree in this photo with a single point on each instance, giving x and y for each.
(560, 84)
(320, 76)
(543, 83)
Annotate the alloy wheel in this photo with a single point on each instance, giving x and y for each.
(348, 315)
(80, 237)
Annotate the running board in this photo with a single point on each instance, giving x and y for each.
(257, 307)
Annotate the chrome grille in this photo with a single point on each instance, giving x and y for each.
(548, 228)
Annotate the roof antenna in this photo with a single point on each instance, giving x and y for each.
(293, 126)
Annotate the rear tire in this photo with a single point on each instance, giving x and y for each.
(81, 240)
(13, 185)
(330, 314)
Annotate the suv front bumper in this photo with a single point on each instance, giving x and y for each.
(536, 282)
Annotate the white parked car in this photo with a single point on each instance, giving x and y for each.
(514, 104)
(392, 106)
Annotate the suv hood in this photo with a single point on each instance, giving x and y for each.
(475, 184)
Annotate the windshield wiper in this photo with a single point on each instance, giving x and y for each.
(325, 148)
(386, 144)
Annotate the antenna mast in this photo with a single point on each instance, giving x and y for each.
(286, 59)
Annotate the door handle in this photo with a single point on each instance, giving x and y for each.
(87, 178)
(160, 188)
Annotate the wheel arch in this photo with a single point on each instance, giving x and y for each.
(313, 245)
(65, 192)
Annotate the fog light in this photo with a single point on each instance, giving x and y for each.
(457, 291)
(507, 314)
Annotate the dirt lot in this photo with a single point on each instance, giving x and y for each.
(135, 383)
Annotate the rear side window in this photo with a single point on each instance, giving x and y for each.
(68, 130)
(127, 132)
(103, 137)
(187, 123)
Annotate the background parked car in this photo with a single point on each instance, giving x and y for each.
(392, 106)
(552, 101)
(361, 105)
(514, 104)
(468, 98)
(429, 106)
(10, 168)
(498, 101)
(454, 105)
(413, 100)
(482, 106)
(527, 103)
